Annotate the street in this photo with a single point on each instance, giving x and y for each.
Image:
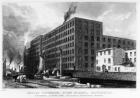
(49, 83)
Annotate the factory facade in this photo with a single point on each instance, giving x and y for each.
(77, 40)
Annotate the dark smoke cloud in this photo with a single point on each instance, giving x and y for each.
(15, 25)
(17, 22)
(71, 10)
(10, 48)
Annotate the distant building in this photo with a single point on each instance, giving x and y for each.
(34, 52)
(124, 43)
(114, 60)
(78, 39)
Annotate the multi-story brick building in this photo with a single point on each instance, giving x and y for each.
(79, 40)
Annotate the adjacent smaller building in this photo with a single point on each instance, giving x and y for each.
(115, 60)
(131, 54)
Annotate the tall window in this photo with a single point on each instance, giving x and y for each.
(115, 68)
(134, 53)
(86, 44)
(104, 60)
(135, 60)
(103, 46)
(101, 53)
(86, 37)
(86, 65)
(109, 67)
(86, 58)
(92, 38)
(98, 45)
(109, 60)
(98, 38)
(130, 53)
(92, 51)
(86, 51)
(96, 61)
(92, 44)
(109, 52)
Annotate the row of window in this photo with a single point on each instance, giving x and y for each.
(98, 68)
(86, 58)
(92, 38)
(68, 45)
(131, 59)
(65, 52)
(108, 60)
(131, 53)
(68, 65)
(64, 40)
(67, 59)
(61, 35)
(92, 45)
(123, 41)
(106, 52)
(58, 30)
(86, 51)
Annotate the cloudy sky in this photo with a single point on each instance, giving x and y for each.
(27, 20)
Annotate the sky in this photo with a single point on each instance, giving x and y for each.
(27, 20)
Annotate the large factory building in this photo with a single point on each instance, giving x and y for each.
(77, 41)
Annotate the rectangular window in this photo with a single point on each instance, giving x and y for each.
(114, 40)
(134, 53)
(115, 68)
(101, 53)
(86, 65)
(109, 40)
(86, 37)
(131, 59)
(86, 58)
(92, 58)
(98, 45)
(104, 60)
(109, 52)
(92, 38)
(130, 53)
(109, 67)
(104, 52)
(92, 51)
(104, 46)
(96, 61)
(103, 40)
(109, 46)
(109, 60)
(92, 44)
(98, 38)
(134, 60)
(86, 44)
(86, 51)
(118, 69)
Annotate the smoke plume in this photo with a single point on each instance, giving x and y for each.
(71, 10)
(15, 25)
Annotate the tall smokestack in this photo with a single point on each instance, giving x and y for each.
(71, 10)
